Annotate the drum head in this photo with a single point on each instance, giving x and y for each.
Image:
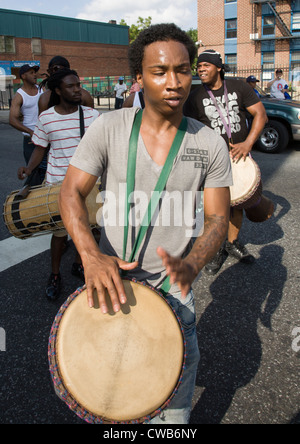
(246, 179)
(118, 367)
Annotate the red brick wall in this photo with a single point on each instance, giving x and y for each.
(88, 59)
(211, 25)
(211, 31)
(247, 54)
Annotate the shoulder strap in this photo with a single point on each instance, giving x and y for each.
(141, 97)
(160, 186)
(81, 118)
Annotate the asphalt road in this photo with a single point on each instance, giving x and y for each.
(247, 316)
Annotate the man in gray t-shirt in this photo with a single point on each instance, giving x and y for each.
(161, 59)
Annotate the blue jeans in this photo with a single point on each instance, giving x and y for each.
(179, 410)
(38, 175)
(119, 103)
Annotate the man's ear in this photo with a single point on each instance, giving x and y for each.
(140, 81)
(57, 90)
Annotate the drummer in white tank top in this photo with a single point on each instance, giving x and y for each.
(25, 102)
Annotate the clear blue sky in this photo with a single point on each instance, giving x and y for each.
(181, 12)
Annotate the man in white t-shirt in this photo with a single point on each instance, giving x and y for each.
(120, 90)
(59, 126)
(279, 87)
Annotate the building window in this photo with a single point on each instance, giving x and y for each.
(231, 61)
(268, 61)
(231, 29)
(268, 25)
(36, 46)
(295, 63)
(296, 22)
(230, 1)
(7, 44)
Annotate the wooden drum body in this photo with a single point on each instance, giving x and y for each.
(34, 211)
(119, 367)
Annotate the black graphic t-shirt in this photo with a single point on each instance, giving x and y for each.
(241, 96)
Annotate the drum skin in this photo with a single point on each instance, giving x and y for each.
(36, 212)
(120, 367)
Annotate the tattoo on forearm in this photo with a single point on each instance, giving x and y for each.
(207, 245)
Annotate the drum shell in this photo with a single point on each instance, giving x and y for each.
(245, 194)
(124, 358)
(38, 212)
(262, 211)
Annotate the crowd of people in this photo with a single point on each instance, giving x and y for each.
(211, 123)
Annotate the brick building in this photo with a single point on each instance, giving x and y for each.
(254, 36)
(93, 49)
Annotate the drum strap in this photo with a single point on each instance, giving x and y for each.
(81, 119)
(160, 186)
(227, 126)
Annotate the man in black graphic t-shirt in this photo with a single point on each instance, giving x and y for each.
(223, 106)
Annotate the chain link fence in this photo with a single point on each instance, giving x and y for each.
(101, 88)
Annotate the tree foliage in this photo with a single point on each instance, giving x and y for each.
(143, 23)
(134, 30)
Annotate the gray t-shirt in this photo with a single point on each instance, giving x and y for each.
(202, 162)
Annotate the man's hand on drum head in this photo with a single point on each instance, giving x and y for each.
(179, 270)
(101, 274)
(239, 151)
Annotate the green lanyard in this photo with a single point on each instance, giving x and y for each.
(160, 186)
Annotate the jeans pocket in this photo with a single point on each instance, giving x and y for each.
(185, 310)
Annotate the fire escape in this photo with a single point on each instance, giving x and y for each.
(285, 32)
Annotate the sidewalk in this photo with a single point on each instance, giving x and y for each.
(4, 114)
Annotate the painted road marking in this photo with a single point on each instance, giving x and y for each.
(13, 251)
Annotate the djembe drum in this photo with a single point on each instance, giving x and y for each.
(246, 192)
(120, 367)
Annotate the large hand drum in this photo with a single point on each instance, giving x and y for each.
(246, 192)
(118, 367)
(35, 211)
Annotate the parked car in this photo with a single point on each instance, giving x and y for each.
(283, 125)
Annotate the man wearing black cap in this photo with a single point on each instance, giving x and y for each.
(223, 105)
(25, 103)
(252, 81)
(55, 64)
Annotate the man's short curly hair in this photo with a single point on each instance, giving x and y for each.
(158, 33)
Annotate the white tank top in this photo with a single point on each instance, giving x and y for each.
(30, 109)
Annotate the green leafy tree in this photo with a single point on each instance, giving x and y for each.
(134, 30)
(193, 33)
(143, 23)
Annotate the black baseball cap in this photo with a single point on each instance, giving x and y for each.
(26, 68)
(60, 61)
(252, 79)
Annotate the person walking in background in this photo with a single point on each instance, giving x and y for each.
(120, 90)
(223, 104)
(59, 126)
(55, 64)
(23, 116)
